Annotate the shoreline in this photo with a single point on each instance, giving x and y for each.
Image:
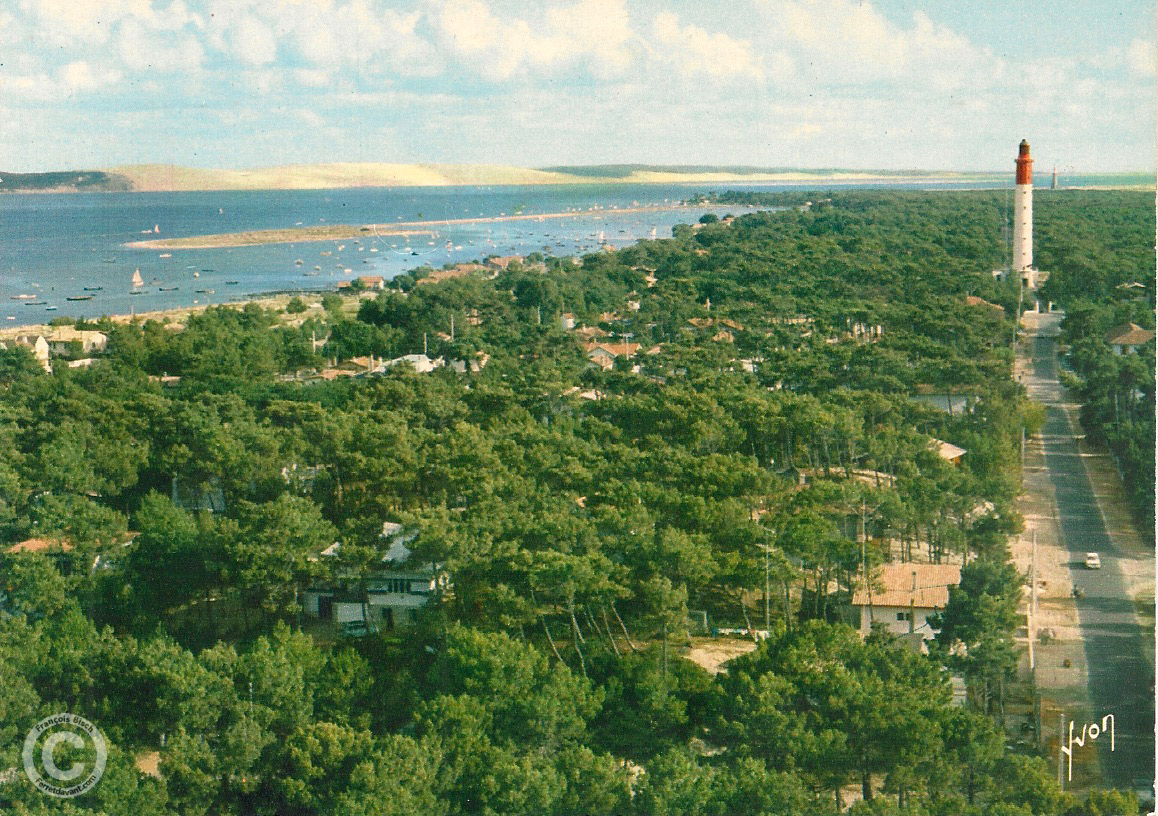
(275, 300)
(345, 232)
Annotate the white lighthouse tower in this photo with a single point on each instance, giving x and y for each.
(1023, 218)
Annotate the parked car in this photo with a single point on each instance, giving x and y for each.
(1093, 561)
(355, 629)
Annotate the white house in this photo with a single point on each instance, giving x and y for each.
(34, 343)
(90, 341)
(420, 362)
(394, 593)
(902, 597)
(1129, 338)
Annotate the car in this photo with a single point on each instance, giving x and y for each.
(1093, 561)
(355, 629)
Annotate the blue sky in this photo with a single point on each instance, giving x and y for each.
(800, 83)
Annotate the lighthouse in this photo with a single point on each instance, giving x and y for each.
(1023, 218)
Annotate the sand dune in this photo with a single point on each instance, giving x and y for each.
(163, 177)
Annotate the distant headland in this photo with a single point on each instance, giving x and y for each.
(172, 178)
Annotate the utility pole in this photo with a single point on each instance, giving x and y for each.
(767, 609)
(1061, 741)
(1034, 697)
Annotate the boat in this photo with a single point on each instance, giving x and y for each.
(165, 255)
(298, 262)
(36, 303)
(196, 274)
(206, 270)
(93, 288)
(136, 293)
(24, 297)
(232, 283)
(50, 308)
(204, 291)
(167, 288)
(137, 279)
(108, 260)
(79, 297)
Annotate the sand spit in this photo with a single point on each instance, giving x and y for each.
(340, 232)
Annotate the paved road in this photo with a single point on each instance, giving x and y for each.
(1119, 667)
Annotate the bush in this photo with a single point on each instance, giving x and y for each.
(295, 306)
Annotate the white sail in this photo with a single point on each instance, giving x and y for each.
(137, 279)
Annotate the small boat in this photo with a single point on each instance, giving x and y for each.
(298, 262)
(196, 274)
(204, 291)
(137, 279)
(36, 303)
(206, 270)
(136, 293)
(232, 283)
(317, 269)
(165, 255)
(79, 297)
(108, 260)
(168, 288)
(50, 308)
(93, 288)
(24, 297)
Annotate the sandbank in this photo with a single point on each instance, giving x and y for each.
(345, 232)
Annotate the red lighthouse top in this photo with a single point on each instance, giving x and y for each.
(1024, 164)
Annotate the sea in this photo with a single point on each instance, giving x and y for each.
(57, 246)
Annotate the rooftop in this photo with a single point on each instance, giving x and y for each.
(1130, 334)
(893, 585)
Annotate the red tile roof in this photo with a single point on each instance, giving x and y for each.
(1131, 334)
(893, 585)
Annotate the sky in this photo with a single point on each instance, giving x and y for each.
(776, 83)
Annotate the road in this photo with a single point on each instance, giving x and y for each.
(1118, 655)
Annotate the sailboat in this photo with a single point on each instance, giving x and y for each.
(137, 279)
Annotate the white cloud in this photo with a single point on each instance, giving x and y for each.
(697, 51)
(252, 41)
(1140, 56)
(144, 50)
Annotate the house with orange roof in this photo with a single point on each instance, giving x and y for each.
(902, 597)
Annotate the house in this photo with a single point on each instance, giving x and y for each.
(481, 358)
(59, 340)
(902, 597)
(372, 281)
(591, 332)
(950, 453)
(568, 321)
(502, 262)
(603, 354)
(394, 591)
(420, 362)
(56, 550)
(1129, 338)
(35, 343)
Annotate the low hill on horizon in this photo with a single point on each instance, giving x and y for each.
(172, 178)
